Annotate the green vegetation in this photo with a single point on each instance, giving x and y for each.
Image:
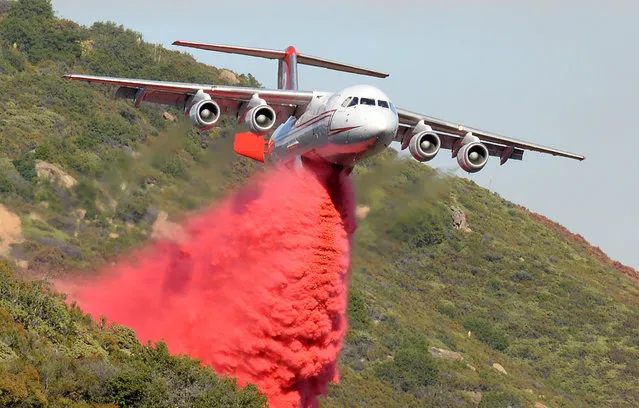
(53, 355)
(564, 323)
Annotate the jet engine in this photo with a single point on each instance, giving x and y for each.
(424, 146)
(205, 114)
(260, 119)
(472, 157)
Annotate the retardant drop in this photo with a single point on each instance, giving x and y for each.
(256, 288)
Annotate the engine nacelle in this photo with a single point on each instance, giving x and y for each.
(424, 146)
(260, 119)
(204, 114)
(472, 157)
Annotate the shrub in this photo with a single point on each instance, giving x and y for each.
(501, 399)
(412, 367)
(485, 332)
(357, 313)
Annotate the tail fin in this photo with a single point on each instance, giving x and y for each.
(288, 60)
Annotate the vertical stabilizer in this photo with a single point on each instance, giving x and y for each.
(287, 70)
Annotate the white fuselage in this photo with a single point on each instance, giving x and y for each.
(341, 128)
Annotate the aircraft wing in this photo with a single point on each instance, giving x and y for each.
(229, 98)
(449, 133)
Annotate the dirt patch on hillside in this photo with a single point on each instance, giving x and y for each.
(10, 230)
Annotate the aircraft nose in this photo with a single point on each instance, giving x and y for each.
(376, 124)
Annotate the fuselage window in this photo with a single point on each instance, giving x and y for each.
(383, 104)
(350, 101)
(366, 101)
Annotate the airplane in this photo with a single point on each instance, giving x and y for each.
(341, 128)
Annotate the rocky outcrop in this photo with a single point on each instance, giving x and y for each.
(459, 220)
(229, 77)
(447, 354)
(499, 368)
(362, 211)
(165, 229)
(48, 171)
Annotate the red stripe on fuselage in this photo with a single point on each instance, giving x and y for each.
(334, 132)
(313, 120)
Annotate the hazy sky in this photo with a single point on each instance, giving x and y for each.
(561, 74)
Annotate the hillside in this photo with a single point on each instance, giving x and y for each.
(85, 177)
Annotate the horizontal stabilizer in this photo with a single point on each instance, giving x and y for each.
(274, 54)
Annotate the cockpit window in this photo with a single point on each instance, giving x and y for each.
(393, 108)
(366, 101)
(350, 101)
(383, 104)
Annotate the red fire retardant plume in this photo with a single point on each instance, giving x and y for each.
(256, 289)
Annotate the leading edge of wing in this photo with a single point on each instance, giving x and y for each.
(228, 92)
(412, 118)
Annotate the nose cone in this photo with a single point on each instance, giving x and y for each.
(377, 126)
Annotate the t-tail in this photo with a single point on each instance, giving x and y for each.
(253, 145)
(288, 61)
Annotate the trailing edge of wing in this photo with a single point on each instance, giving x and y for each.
(412, 118)
(276, 96)
(274, 54)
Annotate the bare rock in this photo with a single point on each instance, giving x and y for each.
(48, 171)
(499, 368)
(229, 77)
(471, 367)
(459, 220)
(441, 353)
(114, 235)
(168, 116)
(362, 211)
(35, 217)
(165, 229)
(540, 405)
(10, 230)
